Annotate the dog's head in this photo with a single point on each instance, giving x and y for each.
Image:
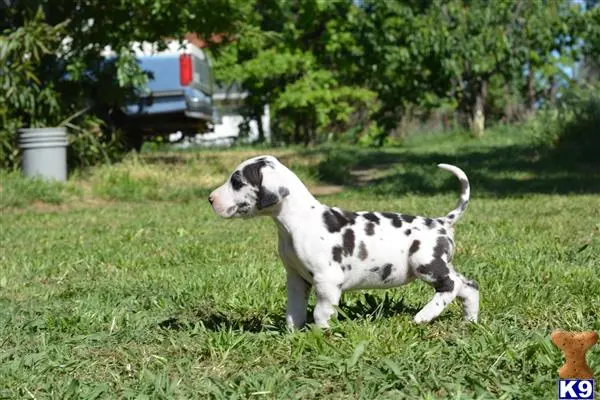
(256, 187)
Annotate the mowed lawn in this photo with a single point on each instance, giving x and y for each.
(124, 284)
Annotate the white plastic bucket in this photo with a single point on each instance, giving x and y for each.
(44, 152)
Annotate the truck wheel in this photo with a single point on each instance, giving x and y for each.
(133, 140)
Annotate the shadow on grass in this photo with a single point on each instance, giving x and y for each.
(500, 171)
(370, 307)
(223, 321)
(367, 307)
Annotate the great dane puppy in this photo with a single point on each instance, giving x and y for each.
(334, 250)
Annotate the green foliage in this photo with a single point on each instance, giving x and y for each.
(578, 121)
(90, 143)
(285, 60)
(454, 57)
(27, 99)
(590, 22)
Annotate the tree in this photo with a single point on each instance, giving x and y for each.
(291, 57)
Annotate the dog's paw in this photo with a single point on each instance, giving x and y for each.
(322, 324)
(471, 318)
(421, 318)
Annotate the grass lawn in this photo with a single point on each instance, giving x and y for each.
(122, 283)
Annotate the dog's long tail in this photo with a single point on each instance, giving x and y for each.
(453, 216)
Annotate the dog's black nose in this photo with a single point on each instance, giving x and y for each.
(210, 199)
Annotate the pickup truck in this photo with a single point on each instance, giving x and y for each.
(177, 98)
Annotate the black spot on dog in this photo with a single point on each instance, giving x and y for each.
(322, 238)
(396, 220)
(437, 269)
(334, 221)
(283, 191)
(266, 198)
(313, 207)
(350, 216)
(348, 242)
(442, 231)
(472, 284)
(339, 286)
(236, 181)
(343, 268)
(440, 221)
(407, 232)
(349, 267)
(336, 251)
(372, 217)
(370, 228)
(444, 284)
(362, 251)
(464, 185)
(450, 216)
(414, 247)
(374, 269)
(441, 247)
(387, 270)
(408, 218)
(464, 205)
(429, 222)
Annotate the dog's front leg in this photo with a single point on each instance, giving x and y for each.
(328, 297)
(297, 293)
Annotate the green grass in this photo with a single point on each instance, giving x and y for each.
(135, 289)
(15, 191)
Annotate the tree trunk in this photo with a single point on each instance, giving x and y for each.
(261, 131)
(478, 121)
(509, 113)
(552, 90)
(531, 94)
(445, 121)
(313, 132)
(306, 133)
(296, 133)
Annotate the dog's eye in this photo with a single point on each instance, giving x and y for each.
(236, 181)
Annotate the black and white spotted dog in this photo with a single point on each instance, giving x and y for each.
(334, 250)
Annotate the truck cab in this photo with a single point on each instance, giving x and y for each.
(177, 97)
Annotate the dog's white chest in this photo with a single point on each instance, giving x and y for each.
(290, 258)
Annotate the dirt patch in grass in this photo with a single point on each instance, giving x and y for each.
(325, 190)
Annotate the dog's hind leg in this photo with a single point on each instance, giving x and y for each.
(446, 287)
(468, 294)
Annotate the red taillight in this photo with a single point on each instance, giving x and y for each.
(185, 69)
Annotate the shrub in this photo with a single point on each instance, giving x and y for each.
(35, 95)
(578, 120)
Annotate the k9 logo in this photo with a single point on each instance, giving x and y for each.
(576, 389)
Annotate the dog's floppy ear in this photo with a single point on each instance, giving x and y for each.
(253, 174)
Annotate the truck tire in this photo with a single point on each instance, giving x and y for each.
(133, 139)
